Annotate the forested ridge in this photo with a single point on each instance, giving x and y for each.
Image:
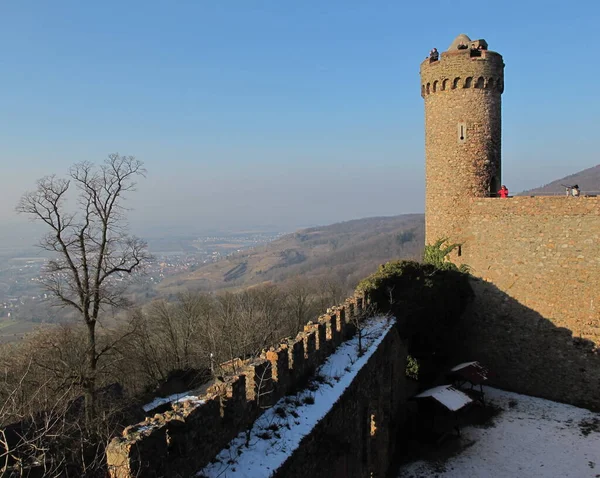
(347, 251)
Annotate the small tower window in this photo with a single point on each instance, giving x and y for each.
(490, 84)
(435, 83)
(455, 83)
(444, 84)
(427, 87)
(468, 82)
(480, 82)
(462, 132)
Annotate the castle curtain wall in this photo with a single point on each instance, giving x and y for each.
(544, 252)
(536, 319)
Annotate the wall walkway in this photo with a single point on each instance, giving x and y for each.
(185, 439)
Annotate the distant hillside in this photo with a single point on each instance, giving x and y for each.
(588, 181)
(348, 250)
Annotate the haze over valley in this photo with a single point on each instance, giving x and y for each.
(225, 259)
(299, 238)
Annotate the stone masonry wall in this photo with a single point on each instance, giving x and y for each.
(536, 316)
(536, 319)
(185, 439)
(544, 252)
(356, 437)
(462, 136)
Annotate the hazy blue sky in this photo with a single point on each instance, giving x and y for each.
(283, 113)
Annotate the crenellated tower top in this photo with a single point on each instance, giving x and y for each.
(466, 64)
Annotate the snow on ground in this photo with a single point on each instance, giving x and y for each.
(175, 398)
(532, 437)
(277, 432)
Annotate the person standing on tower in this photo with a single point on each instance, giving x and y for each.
(503, 191)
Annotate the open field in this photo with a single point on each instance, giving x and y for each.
(11, 330)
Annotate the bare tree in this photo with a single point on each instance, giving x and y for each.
(359, 320)
(41, 409)
(93, 252)
(28, 438)
(300, 302)
(332, 291)
(169, 337)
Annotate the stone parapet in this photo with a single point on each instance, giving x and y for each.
(357, 437)
(186, 438)
(544, 252)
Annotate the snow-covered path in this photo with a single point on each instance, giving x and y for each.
(278, 432)
(532, 437)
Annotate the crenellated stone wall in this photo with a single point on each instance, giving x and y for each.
(185, 439)
(357, 437)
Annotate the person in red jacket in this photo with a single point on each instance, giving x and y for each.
(503, 191)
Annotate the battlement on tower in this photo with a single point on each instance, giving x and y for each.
(470, 66)
(444, 83)
(462, 89)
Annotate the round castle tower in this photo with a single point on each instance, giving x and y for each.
(462, 92)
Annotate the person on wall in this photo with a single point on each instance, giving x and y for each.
(503, 191)
(575, 191)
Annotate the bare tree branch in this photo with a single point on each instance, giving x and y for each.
(93, 252)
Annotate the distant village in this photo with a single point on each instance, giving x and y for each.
(20, 277)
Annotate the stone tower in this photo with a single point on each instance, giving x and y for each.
(462, 92)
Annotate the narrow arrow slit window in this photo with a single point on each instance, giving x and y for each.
(462, 132)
